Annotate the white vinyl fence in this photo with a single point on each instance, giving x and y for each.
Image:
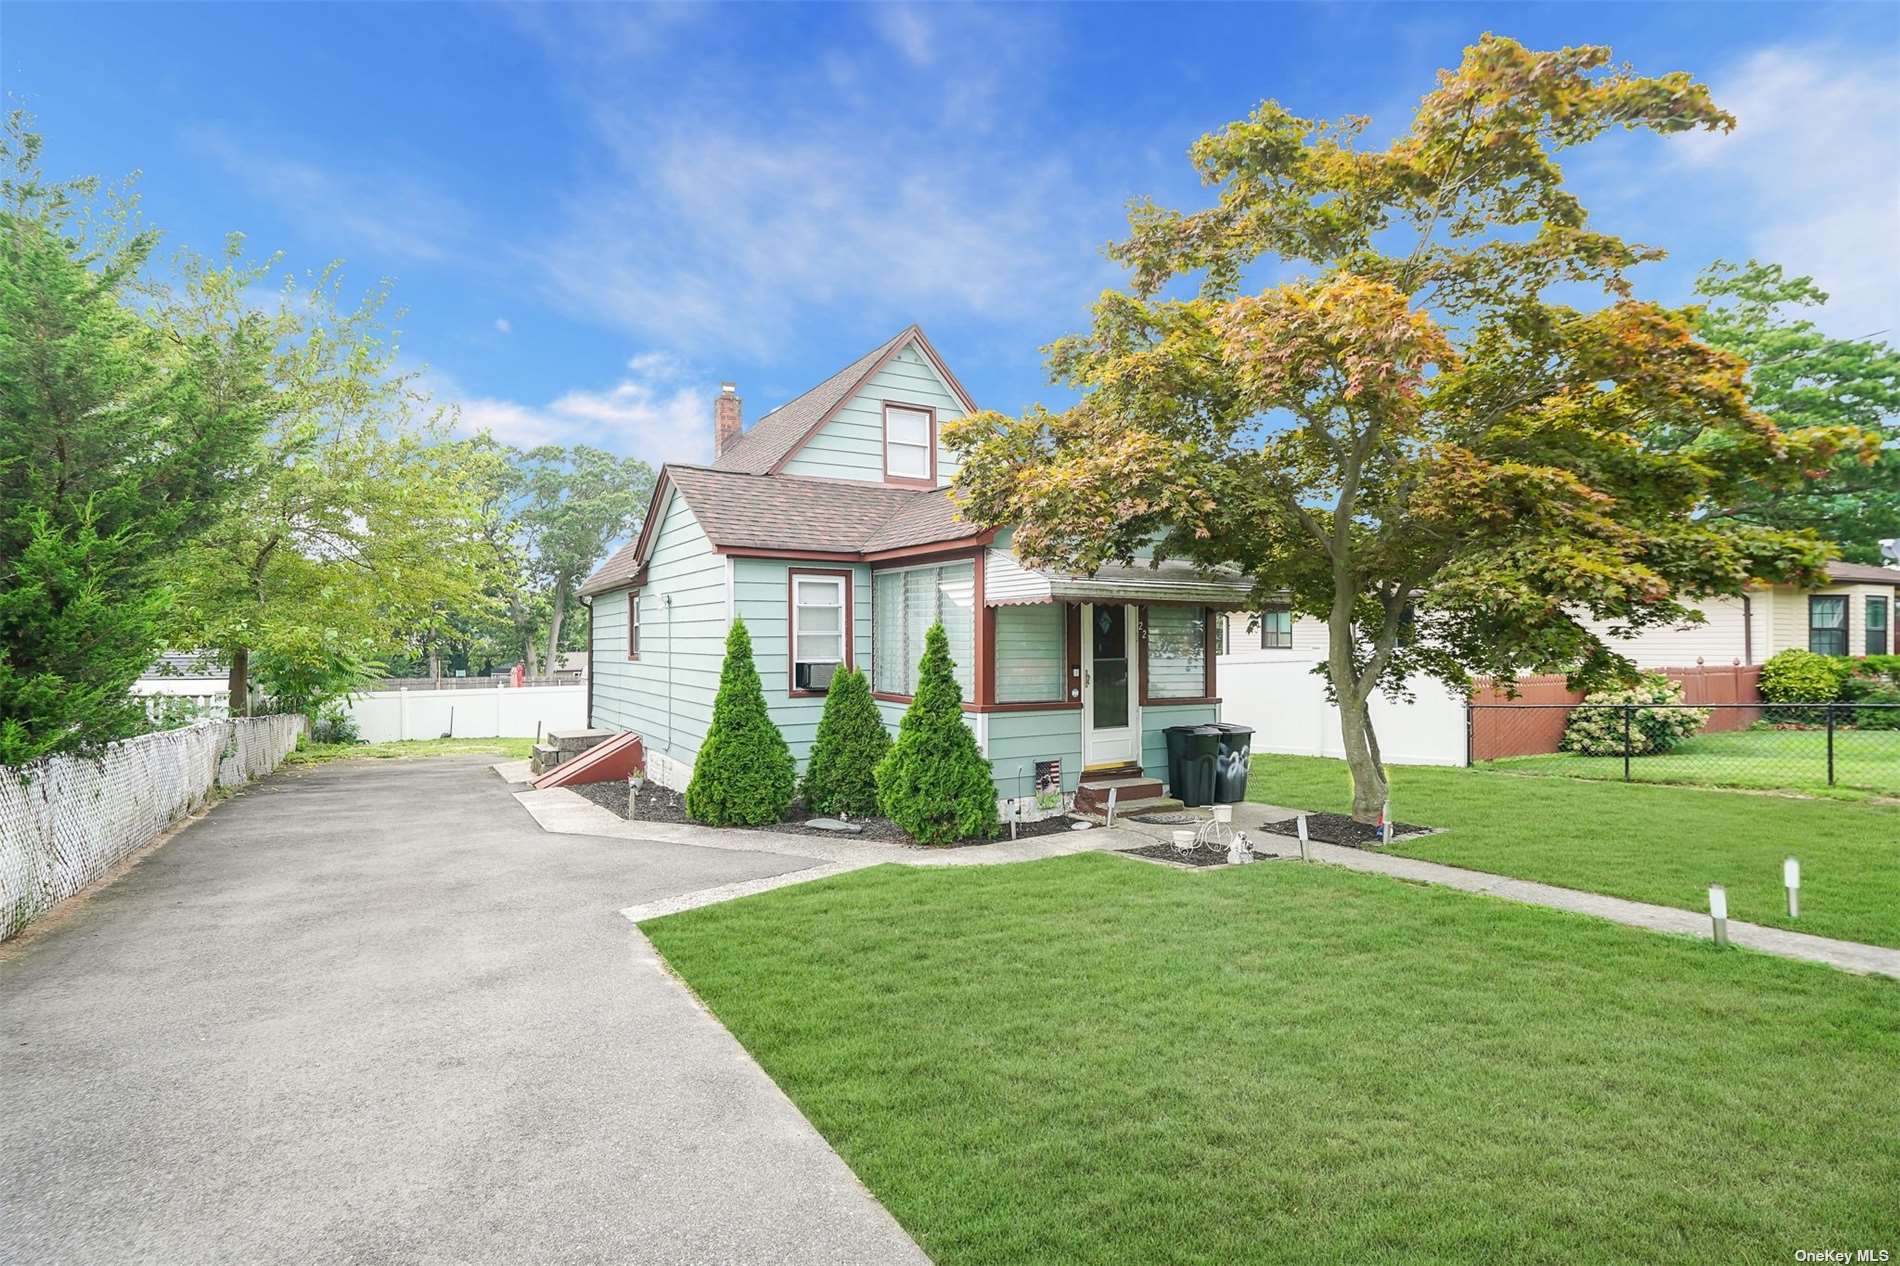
(1286, 706)
(65, 820)
(384, 716)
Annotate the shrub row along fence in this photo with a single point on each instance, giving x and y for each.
(66, 820)
(1768, 746)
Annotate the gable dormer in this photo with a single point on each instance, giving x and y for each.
(880, 419)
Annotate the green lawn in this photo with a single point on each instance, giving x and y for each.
(499, 748)
(1865, 761)
(1650, 843)
(1096, 1060)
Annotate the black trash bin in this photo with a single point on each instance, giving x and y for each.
(1193, 755)
(1235, 758)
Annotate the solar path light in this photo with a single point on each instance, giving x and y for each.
(1718, 911)
(1791, 880)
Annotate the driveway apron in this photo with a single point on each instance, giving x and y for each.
(372, 1012)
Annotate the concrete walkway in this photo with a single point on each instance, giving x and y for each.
(372, 1012)
(562, 810)
(1847, 955)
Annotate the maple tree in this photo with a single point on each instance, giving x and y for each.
(1411, 440)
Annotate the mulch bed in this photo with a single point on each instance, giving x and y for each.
(663, 804)
(1195, 856)
(1340, 828)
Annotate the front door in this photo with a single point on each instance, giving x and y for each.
(1111, 728)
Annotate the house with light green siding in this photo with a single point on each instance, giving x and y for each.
(828, 526)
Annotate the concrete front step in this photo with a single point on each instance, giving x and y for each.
(1123, 808)
(1091, 796)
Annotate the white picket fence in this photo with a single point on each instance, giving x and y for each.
(384, 716)
(66, 820)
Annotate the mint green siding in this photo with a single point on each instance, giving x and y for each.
(1019, 739)
(760, 588)
(666, 694)
(851, 445)
(1157, 717)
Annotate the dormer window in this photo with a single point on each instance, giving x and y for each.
(910, 445)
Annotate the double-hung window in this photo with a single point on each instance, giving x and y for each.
(821, 636)
(633, 624)
(910, 444)
(1877, 612)
(1827, 624)
(1276, 629)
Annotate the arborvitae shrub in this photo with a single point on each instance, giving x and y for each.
(744, 774)
(841, 776)
(934, 783)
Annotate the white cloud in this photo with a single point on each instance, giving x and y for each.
(502, 326)
(655, 421)
(905, 29)
(391, 212)
(1814, 164)
(736, 211)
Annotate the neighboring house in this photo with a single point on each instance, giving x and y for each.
(569, 666)
(827, 526)
(1851, 615)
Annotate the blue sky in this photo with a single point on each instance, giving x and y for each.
(593, 214)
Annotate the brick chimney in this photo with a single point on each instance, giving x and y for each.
(728, 421)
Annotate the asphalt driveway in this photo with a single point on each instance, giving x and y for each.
(372, 1012)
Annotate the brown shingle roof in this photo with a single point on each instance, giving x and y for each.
(929, 519)
(790, 512)
(1862, 574)
(777, 433)
(800, 513)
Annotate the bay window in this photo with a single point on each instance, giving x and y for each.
(905, 602)
(1177, 653)
(820, 628)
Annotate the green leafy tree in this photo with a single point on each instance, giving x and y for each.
(579, 500)
(744, 775)
(360, 520)
(934, 782)
(841, 776)
(117, 444)
(1803, 378)
(1408, 436)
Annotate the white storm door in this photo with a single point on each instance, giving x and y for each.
(1111, 726)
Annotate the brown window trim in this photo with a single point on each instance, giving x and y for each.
(987, 686)
(633, 624)
(884, 450)
(792, 575)
(1207, 662)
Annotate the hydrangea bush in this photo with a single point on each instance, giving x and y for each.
(1599, 731)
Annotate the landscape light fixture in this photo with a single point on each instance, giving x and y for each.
(1791, 879)
(1300, 824)
(1718, 911)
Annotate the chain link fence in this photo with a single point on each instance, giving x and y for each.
(65, 820)
(1761, 746)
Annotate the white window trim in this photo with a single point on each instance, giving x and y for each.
(840, 586)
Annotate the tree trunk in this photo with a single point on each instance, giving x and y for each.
(528, 664)
(554, 627)
(238, 684)
(1355, 718)
(435, 665)
(1362, 758)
